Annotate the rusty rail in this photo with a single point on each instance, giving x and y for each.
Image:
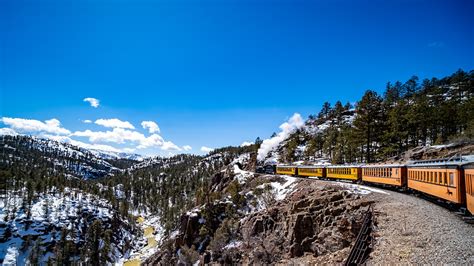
(363, 244)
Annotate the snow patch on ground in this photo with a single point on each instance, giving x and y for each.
(233, 244)
(241, 175)
(70, 209)
(282, 190)
(11, 256)
(359, 189)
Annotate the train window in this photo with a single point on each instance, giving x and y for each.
(451, 179)
(471, 184)
(436, 177)
(445, 180)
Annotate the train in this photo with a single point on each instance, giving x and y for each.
(450, 179)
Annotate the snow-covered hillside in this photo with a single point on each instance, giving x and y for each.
(58, 157)
(35, 230)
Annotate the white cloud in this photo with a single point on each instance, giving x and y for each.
(168, 145)
(206, 149)
(295, 122)
(153, 140)
(187, 148)
(246, 143)
(129, 150)
(121, 132)
(87, 121)
(52, 126)
(84, 145)
(8, 131)
(117, 135)
(120, 136)
(151, 126)
(114, 123)
(93, 102)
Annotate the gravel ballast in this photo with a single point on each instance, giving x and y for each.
(416, 231)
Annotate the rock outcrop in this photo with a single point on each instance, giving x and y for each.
(312, 220)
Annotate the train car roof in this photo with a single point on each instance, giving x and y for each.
(344, 166)
(383, 165)
(445, 162)
(311, 166)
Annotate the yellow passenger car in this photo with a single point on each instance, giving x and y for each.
(469, 181)
(442, 179)
(389, 174)
(311, 170)
(343, 172)
(287, 170)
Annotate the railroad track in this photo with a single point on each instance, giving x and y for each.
(363, 244)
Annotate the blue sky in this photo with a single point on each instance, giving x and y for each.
(214, 73)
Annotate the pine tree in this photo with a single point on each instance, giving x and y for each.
(368, 122)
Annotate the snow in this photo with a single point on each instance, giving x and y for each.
(11, 256)
(281, 190)
(70, 209)
(359, 189)
(241, 175)
(233, 244)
